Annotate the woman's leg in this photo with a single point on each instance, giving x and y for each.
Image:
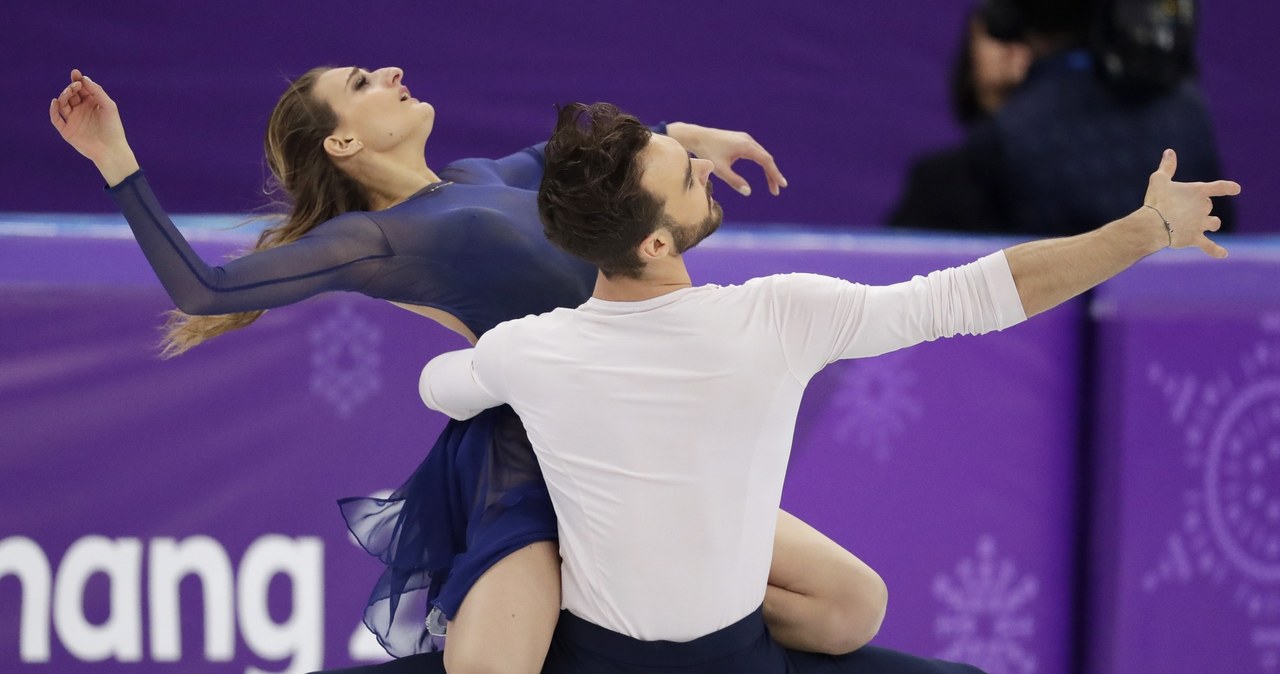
(506, 620)
(821, 598)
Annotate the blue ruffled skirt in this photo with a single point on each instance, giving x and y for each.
(477, 497)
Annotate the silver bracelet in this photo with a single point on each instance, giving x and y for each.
(1168, 228)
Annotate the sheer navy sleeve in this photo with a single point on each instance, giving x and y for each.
(523, 169)
(342, 254)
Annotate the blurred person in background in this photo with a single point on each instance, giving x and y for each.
(1109, 84)
(986, 70)
(939, 190)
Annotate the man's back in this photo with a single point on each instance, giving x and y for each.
(663, 427)
(641, 497)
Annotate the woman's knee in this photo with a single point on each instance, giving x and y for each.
(853, 614)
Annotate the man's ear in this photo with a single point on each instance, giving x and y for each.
(656, 245)
(341, 147)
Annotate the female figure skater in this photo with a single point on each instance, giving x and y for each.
(470, 538)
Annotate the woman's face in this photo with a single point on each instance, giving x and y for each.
(998, 67)
(375, 110)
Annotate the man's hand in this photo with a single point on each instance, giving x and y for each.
(723, 148)
(1052, 271)
(1186, 207)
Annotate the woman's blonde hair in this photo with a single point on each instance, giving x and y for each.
(315, 190)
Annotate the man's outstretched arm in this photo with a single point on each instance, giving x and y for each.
(448, 385)
(1050, 272)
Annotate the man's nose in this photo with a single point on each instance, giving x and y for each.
(704, 167)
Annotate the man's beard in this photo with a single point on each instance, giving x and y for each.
(685, 238)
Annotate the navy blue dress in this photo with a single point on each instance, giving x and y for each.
(473, 248)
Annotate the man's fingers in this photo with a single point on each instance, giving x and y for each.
(1168, 164)
(1221, 188)
(1217, 188)
(1210, 247)
(1213, 223)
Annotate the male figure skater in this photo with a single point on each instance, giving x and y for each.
(662, 413)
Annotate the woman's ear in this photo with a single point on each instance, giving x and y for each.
(341, 147)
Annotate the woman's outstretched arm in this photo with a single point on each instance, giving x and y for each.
(342, 254)
(724, 148)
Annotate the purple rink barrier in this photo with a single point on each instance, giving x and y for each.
(237, 453)
(179, 516)
(1186, 552)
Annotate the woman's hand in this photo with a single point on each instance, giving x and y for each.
(724, 148)
(89, 121)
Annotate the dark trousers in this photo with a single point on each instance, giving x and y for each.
(745, 647)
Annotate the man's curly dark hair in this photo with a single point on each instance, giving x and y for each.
(590, 201)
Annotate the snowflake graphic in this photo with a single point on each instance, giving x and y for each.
(985, 622)
(1230, 531)
(874, 403)
(345, 360)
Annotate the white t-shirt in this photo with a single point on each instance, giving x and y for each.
(663, 427)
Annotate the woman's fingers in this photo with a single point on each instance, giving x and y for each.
(92, 88)
(97, 97)
(732, 179)
(55, 116)
(771, 172)
(755, 152)
(70, 97)
(73, 96)
(81, 91)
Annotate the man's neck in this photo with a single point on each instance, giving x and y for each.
(653, 283)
